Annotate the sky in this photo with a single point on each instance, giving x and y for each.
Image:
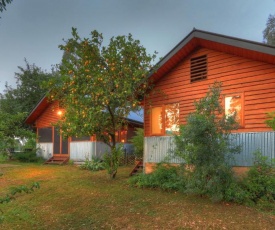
(33, 29)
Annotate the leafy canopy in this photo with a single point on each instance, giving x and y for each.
(100, 84)
(269, 31)
(28, 90)
(16, 103)
(3, 4)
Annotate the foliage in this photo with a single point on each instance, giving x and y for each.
(258, 187)
(94, 165)
(12, 127)
(269, 31)
(28, 156)
(204, 143)
(28, 91)
(100, 85)
(111, 161)
(138, 142)
(165, 176)
(3, 157)
(14, 190)
(3, 4)
(270, 122)
(16, 103)
(260, 182)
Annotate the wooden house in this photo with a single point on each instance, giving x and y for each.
(51, 144)
(247, 72)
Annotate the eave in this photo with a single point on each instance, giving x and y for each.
(37, 111)
(231, 45)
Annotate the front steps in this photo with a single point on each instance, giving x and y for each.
(138, 167)
(57, 160)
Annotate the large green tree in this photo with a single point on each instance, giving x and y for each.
(27, 92)
(100, 86)
(17, 102)
(269, 31)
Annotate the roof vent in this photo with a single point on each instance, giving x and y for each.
(198, 68)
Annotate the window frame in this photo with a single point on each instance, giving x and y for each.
(241, 123)
(45, 130)
(163, 129)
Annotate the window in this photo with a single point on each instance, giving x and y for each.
(156, 120)
(45, 135)
(165, 119)
(234, 104)
(198, 70)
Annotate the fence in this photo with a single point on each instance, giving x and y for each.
(157, 149)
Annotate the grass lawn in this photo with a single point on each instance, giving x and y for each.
(70, 198)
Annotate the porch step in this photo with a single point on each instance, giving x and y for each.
(138, 167)
(57, 160)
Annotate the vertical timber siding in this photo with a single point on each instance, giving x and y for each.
(255, 79)
(158, 149)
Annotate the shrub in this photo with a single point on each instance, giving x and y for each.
(29, 156)
(94, 165)
(3, 157)
(204, 143)
(137, 141)
(165, 177)
(260, 182)
(257, 188)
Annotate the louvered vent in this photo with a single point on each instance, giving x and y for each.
(198, 68)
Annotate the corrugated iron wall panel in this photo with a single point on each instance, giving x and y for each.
(157, 149)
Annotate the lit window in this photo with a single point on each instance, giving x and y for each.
(172, 118)
(233, 105)
(156, 120)
(165, 119)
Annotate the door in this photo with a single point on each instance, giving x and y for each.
(60, 145)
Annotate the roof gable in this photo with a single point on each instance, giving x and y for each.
(231, 45)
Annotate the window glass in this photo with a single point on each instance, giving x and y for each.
(172, 118)
(233, 104)
(156, 120)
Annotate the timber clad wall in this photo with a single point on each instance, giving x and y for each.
(255, 80)
(48, 117)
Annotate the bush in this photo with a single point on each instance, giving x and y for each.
(137, 141)
(165, 177)
(94, 165)
(29, 156)
(257, 188)
(3, 157)
(260, 182)
(204, 142)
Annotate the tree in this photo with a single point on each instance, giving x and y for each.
(269, 31)
(100, 86)
(204, 143)
(28, 90)
(16, 103)
(3, 4)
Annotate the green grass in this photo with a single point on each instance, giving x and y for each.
(70, 198)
